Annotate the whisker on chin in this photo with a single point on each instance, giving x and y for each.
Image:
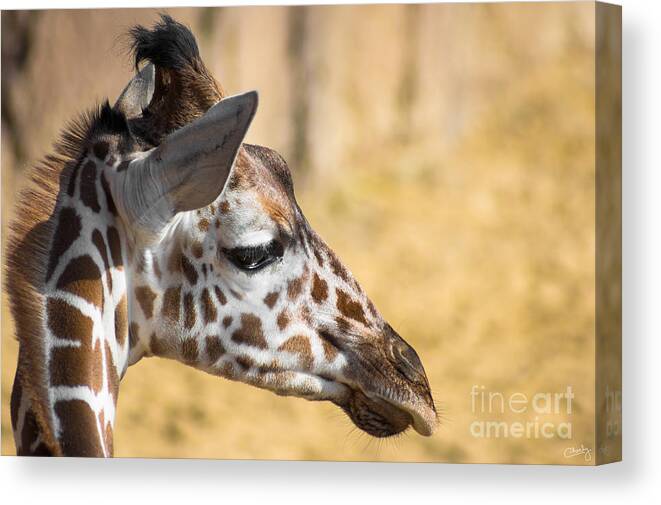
(370, 441)
(394, 442)
(353, 438)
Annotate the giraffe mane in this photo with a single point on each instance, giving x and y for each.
(28, 250)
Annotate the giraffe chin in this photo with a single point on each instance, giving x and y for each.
(384, 418)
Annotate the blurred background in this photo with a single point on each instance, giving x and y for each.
(446, 153)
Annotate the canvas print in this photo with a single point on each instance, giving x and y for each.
(403, 220)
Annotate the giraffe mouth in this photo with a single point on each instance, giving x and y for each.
(388, 388)
(385, 415)
(385, 389)
(424, 418)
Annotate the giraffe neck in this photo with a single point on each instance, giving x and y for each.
(174, 289)
(85, 334)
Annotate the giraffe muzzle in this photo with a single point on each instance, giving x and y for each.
(408, 366)
(389, 389)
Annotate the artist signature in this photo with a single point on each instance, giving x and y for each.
(571, 452)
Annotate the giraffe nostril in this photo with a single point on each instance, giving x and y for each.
(404, 357)
(407, 368)
(407, 353)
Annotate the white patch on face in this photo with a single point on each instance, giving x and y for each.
(246, 223)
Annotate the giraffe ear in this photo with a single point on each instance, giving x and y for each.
(137, 94)
(189, 169)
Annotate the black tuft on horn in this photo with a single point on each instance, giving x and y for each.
(169, 44)
(183, 88)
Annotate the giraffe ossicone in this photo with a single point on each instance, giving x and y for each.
(154, 231)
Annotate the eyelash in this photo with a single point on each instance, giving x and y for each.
(255, 258)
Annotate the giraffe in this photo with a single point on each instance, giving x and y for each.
(155, 231)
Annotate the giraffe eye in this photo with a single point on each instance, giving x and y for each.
(255, 257)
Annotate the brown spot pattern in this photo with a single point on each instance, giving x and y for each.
(330, 351)
(214, 348)
(319, 289)
(300, 345)
(110, 203)
(121, 321)
(145, 297)
(157, 346)
(189, 311)
(171, 303)
(295, 286)
(111, 371)
(224, 207)
(67, 322)
(67, 231)
(100, 244)
(203, 224)
(189, 270)
(271, 299)
(245, 362)
(283, 320)
(77, 366)
(82, 278)
(189, 350)
(79, 436)
(88, 186)
(109, 439)
(227, 320)
(208, 308)
(350, 308)
(174, 260)
(250, 332)
(220, 295)
(115, 245)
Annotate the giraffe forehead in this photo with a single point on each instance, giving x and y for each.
(253, 216)
(260, 185)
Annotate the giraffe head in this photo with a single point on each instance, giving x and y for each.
(225, 273)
